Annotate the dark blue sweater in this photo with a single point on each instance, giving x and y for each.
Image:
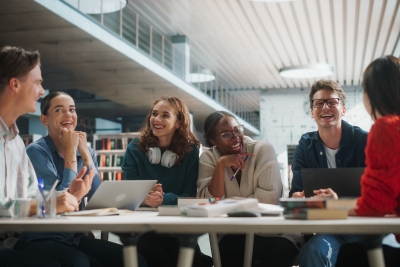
(177, 181)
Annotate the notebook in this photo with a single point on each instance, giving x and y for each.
(344, 181)
(120, 194)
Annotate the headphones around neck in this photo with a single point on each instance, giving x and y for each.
(168, 158)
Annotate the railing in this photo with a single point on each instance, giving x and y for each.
(128, 25)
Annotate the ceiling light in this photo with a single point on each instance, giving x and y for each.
(204, 75)
(97, 6)
(306, 71)
(270, 0)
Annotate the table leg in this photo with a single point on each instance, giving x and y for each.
(186, 251)
(130, 249)
(215, 249)
(104, 235)
(248, 250)
(373, 243)
(375, 257)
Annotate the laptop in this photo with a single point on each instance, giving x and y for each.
(344, 181)
(120, 194)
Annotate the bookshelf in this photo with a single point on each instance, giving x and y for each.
(30, 138)
(290, 155)
(110, 150)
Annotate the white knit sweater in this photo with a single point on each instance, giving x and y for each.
(261, 177)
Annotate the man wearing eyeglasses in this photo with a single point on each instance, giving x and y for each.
(336, 144)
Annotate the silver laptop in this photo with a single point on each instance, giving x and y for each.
(344, 181)
(120, 194)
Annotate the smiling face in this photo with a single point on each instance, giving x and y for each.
(61, 114)
(232, 146)
(30, 90)
(328, 117)
(164, 122)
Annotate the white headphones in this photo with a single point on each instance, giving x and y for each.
(168, 158)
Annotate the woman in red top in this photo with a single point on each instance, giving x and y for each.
(380, 193)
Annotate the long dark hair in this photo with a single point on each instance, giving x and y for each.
(381, 83)
(183, 137)
(209, 125)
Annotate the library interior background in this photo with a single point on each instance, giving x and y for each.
(115, 57)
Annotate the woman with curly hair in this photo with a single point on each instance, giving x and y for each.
(167, 151)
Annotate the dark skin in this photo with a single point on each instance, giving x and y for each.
(232, 154)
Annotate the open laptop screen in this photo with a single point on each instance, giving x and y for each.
(344, 181)
(120, 194)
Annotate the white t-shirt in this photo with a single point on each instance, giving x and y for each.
(330, 156)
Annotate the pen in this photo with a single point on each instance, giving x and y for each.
(52, 190)
(41, 185)
(238, 169)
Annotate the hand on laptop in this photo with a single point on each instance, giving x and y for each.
(325, 193)
(298, 194)
(79, 187)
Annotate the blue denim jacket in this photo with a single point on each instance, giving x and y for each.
(310, 153)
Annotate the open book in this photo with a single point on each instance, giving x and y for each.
(98, 212)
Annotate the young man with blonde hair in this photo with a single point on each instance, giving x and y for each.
(20, 89)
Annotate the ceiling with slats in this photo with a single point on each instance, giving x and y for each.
(245, 43)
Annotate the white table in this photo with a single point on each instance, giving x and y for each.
(144, 222)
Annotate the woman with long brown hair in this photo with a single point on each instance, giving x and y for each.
(166, 150)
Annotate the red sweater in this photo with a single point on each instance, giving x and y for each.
(380, 193)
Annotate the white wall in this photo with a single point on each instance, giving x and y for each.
(285, 115)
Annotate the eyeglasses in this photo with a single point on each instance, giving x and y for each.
(238, 130)
(331, 102)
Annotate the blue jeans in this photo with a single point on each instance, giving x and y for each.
(89, 253)
(322, 250)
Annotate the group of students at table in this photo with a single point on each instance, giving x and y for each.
(168, 151)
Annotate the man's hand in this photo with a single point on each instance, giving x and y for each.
(325, 193)
(66, 202)
(298, 194)
(80, 187)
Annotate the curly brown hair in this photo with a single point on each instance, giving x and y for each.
(183, 137)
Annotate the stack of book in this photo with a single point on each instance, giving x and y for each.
(217, 208)
(180, 209)
(316, 208)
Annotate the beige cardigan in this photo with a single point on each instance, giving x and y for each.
(261, 177)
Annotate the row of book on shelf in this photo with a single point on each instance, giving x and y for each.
(110, 150)
(106, 162)
(112, 143)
